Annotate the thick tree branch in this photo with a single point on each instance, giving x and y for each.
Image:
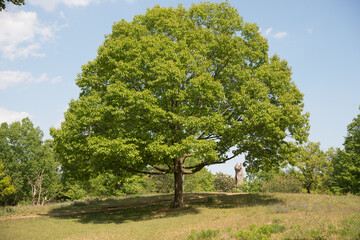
(159, 169)
(194, 168)
(145, 172)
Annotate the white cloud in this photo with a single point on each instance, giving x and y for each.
(50, 5)
(309, 30)
(12, 116)
(280, 35)
(267, 31)
(56, 80)
(21, 34)
(11, 78)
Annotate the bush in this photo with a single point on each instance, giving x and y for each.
(282, 183)
(134, 185)
(224, 182)
(202, 181)
(75, 192)
(104, 185)
(250, 186)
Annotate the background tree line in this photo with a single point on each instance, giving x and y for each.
(29, 172)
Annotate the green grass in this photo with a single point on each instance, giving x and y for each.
(205, 216)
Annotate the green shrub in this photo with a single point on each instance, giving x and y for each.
(224, 182)
(202, 181)
(106, 184)
(282, 183)
(133, 185)
(75, 192)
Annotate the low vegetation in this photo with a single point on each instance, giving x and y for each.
(205, 216)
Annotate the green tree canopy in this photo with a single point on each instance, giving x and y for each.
(346, 163)
(175, 85)
(7, 189)
(27, 159)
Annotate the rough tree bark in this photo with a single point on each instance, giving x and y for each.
(179, 182)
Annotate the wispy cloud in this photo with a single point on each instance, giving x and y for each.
(12, 78)
(309, 30)
(280, 35)
(21, 35)
(267, 31)
(56, 80)
(12, 116)
(62, 15)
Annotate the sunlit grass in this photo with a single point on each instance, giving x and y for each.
(218, 216)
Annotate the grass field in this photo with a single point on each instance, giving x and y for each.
(205, 216)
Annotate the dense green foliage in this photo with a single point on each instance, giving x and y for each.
(224, 182)
(29, 162)
(284, 183)
(345, 176)
(7, 189)
(176, 90)
(275, 180)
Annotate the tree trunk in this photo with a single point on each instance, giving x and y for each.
(179, 183)
(308, 187)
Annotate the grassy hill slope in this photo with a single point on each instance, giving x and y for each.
(205, 216)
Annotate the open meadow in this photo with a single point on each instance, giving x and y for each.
(205, 216)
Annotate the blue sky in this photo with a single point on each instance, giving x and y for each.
(44, 44)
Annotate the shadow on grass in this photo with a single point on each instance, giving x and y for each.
(238, 200)
(151, 207)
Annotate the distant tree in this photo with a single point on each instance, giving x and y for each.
(28, 161)
(346, 163)
(312, 164)
(15, 2)
(177, 84)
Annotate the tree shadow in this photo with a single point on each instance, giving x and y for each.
(238, 201)
(151, 207)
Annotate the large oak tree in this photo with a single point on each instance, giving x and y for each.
(179, 89)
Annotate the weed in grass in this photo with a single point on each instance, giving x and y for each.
(255, 232)
(262, 232)
(210, 200)
(204, 234)
(280, 208)
(276, 220)
(7, 211)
